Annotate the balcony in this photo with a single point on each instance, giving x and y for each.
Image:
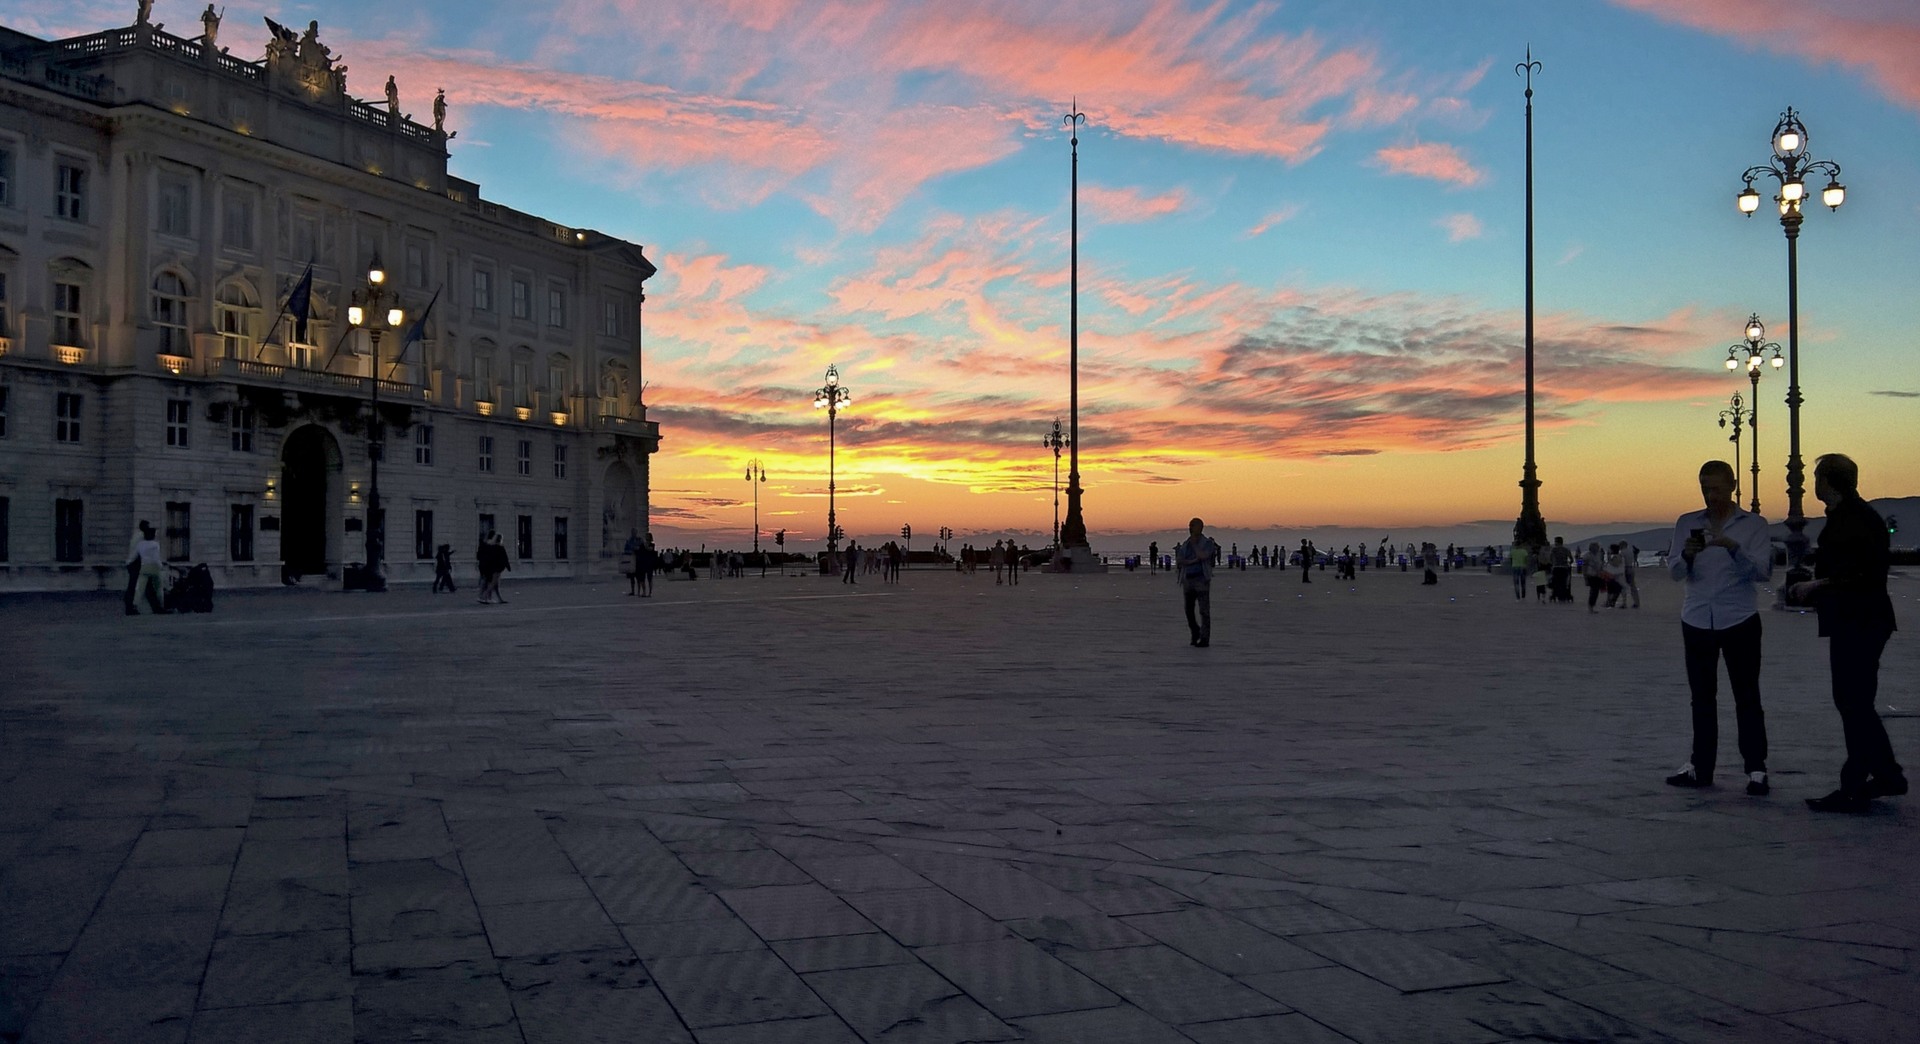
(6, 345)
(70, 354)
(296, 378)
(174, 364)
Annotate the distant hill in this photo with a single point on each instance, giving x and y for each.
(1653, 539)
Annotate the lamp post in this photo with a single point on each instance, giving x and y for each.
(376, 310)
(833, 398)
(1754, 346)
(1530, 529)
(1056, 440)
(1736, 412)
(756, 477)
(1789, 166)
(1073, 534)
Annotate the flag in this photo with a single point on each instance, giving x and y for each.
(418, 331)
(300, 303)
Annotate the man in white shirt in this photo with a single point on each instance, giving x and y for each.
(147, 551)
(1722, 552)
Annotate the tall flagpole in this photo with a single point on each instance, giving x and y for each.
(1530, 529)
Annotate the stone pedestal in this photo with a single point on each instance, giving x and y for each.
(1076, 560)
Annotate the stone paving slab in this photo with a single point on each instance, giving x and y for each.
(1357, 817)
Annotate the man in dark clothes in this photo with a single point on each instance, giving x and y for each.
(1849, 590)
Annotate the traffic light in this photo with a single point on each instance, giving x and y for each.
(780, 538)
(1893, 524)
(906, 532)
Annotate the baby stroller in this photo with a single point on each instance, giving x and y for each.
(191, 590)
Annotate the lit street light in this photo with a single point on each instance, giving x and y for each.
(756, 477)
(376, 310)
(833, 398)
(1056, 440)
(1754, 347)
(1737, 412)
(1789, 166)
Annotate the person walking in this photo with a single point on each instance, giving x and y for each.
(1193, 560)
(1593, 567)
(146, 556)
(1306, 561)
(853, 564)
(133, 564)
(491, 557)
(1153, 555)
(997, 558)
(1517, 562)
(645, 561)
(1560, 564)
(1722, 554)
(1849, 591)
(443, 568)
(1013, 563)
(1630, 555)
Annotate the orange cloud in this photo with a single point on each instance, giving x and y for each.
(1436, 160)
(1124, 205)
(1878, 38)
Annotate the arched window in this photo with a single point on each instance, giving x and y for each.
(169, 310)
(559, 380)
(237, 317)
(613, 387)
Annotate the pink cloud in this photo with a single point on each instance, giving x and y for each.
(1274, 220)
(1461, 227)
(1878, 38)
(1123, 205)
(1432, 159)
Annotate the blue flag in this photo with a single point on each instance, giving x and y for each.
(418, 331)
(300, 304)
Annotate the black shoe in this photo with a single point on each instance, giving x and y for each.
(1758, 787)
(1204, 642)
(1840, 801)
(1686, 778)
(1889, 786)
(1194, 641)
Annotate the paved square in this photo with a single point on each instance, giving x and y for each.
(787, 810)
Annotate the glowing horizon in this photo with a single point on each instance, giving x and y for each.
(1301, 242)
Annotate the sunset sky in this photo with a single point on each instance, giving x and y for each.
(1301, 240)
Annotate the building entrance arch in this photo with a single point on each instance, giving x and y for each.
(310, 504)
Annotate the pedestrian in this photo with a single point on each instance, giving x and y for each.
(997, 558)
(1560, 563)
(1306, 561)
(443, 568)
(1849, 591)
(133, 564)
(1517, 562)
(1153, 555)
(1013, 563)
(1722, 553)
(1592, 566)
(1615, 570)
(645, 561)
(1630, 555)
(147, 560)
(853, 564)
(1193, 557)
(491, 557)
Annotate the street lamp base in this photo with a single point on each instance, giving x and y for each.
(1076, 560)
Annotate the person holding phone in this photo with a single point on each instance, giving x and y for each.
(1193, 558)
(1722, 553)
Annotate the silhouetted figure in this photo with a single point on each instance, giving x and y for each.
(1194, 558)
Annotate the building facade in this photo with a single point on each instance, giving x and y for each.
(182, 233)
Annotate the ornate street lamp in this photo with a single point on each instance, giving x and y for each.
(1530, 529)
(1750, 353)
(1056, 440)
(1790, 166)
(756, 477)
(1073, 533)
(1737, 412)
(376, 310)
(833, 398)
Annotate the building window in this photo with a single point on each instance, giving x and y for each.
(560, 538)
(486, 453)
(6, 175)
(423, 445)
(559, 381)
(236, 312)
(66, 314)
(240, 532)
(522, 299)
(417, 266)
(240, 425)
(173, 207)
(423, 535)
(523, 457)
(178, 411)
(179, 531)
(70, 193)
(486, 527)
(4, 389)
(559, 460)
(523, 537)
(6, 314)
(66, 417)
(69, 531)
(5, 526)
(556, 307)
(521, 373)
(610, 319)
(482, 290)
(483, 377)
(236, 220)
(170, 313)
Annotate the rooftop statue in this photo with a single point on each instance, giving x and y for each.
(210, 24)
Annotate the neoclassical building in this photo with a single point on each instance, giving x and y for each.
(169, 211)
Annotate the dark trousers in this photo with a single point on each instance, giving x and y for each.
(442, 577)
(133, 582)
(1201, 625)
(1855, 658)
(1740, 646)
